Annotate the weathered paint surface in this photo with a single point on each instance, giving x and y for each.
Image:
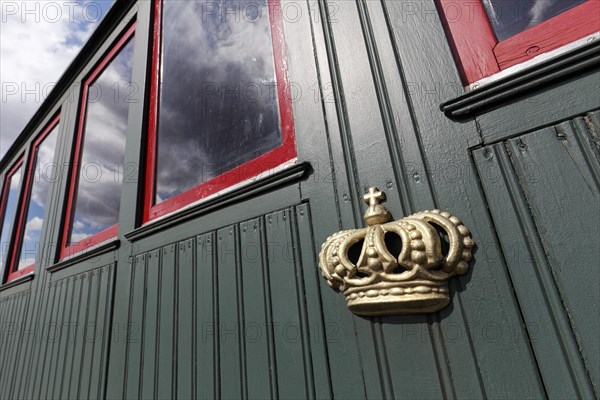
(229, 303)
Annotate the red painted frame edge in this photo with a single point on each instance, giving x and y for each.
(67, 249)
(278, 156)
(24, 204)
(542, 37)
(4, 199)
(478, 53)
(474, 53)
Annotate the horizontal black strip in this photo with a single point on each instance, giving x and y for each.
(556, 69)
(285, 176)
(100, 249)
(16, 282)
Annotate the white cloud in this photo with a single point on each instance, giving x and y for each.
(34, 225)
(38, 40)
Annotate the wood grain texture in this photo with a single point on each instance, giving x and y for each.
(537, 185)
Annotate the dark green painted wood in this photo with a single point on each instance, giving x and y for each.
(53, 390)
(230, 328)
(455, 187)
(52, 338)
(554, 103)
(136, 322)
(164, 376)
(185, 320)
(149, 357)
(287, 326)
(180, 321)
(257, 333)
(72, 336)
(571, 248)
(101, 335)
(532, 278)
(207, 330)
(316, 324)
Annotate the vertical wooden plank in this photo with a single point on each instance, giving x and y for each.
(18, 306)
(207, 332)
(561, 371)
(408, 338)
(149, 365)
(256, 333)
(101, 334)
(229, 322)
(166, 322)
(79, 345)
(35, 384)
(72, 334)
(291, 366)
(136, 322)
(185, 320)
(51, 338)
(89, 332)
(63, 326)
(564, 193)
(9, 330)
(5, 329)
(312, 295)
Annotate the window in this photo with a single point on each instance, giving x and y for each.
(220, 109)
(8, 211)
(95, 189)
(489, 36)
(37, 190)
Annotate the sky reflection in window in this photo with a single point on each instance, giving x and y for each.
(14, 181)
(218, 106)
(510, 17)
(98, 195)
(39, 193)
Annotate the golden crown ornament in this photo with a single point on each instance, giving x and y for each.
(403, 267)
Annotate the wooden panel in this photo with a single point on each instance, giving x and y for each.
(258, 338)
(67, 346)
(149, 356)
(230, 335)
(228, 318)
(563, 198)
(166, 325)
(477, 338)
(186, 317)
(12, 328)
(549, 105)
(530, 182)
(289, 325)
(207, 333)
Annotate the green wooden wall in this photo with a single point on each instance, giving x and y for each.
(225, 300)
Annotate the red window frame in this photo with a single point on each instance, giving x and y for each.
(276, 157)
(5, 191)
(22, 208)
(68, 249)
(478, 52)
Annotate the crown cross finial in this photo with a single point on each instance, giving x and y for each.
(376, 213)
(374, 197)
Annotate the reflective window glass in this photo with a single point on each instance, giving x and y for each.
(11, 198)
(40, 186)
(510, 17)
(218, 99)
(98, 194)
